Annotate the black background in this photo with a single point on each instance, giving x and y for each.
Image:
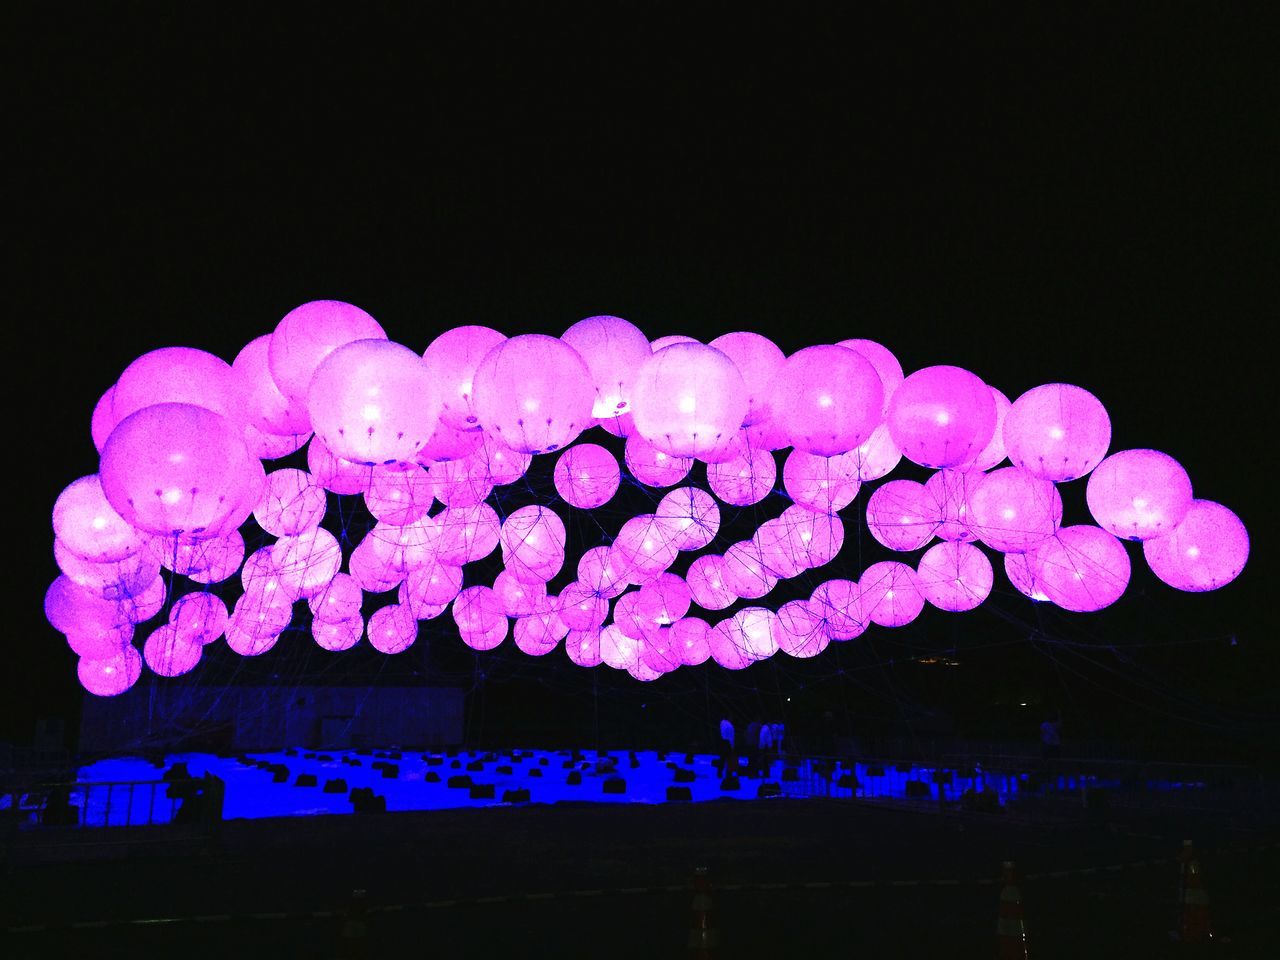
(1081, 197)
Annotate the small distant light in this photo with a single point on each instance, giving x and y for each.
(788, 699)
(1023, 704)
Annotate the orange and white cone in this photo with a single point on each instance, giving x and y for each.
(1011, 929)
(704, 940)
(1193, 924)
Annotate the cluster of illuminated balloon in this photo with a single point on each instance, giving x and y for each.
(425, 439)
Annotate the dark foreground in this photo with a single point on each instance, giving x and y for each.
(792, 878)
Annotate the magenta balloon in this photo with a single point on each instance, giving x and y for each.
(219, 559)
(1012, 511)
(753, 630)
(745, 572)
(886, 365)
(499, 463)
(1057, 432)
(776, 549)
(264, 407)
(707, 579)
(614, 351)
(1205, 551)
(467, 533)
(175, 468)
(877, 456)
(597, 571)
(261, 612)
(830, 399)
(630, 619)
(269, 446)
(259, 573)
(891, 593)
(336, 635)
(307, 335)
(340, 599)
(111, 676)
(660, 655)
(617, 649)
(1139, 494)
(760, 362)
(110, 581)
(1025, 580)
(534, 393)
(840, 605)
(955, 576)
(901, 516)
(815, 538)
(821, 484)
(723, 641)
(86, 524)
(583, 647)
(1081, 568)
(743, 480)
(307, 561)
(651, 466)
(994, 452)
(291, 503)
(623, 425)
(518, 599)
(687, 398)
(246, 643)
(461, 483)
(689, 638)
(453, 358)
(405, 547)
(948, 494)
(672, 339)
(644, 547)
(942, 416)
(800, 631)
(664, 600)
(104, 419)
(477, 611)
(690, 515)
(586, 476)
(70, 608)
(334, 473)
(178, 375)
(169, 655)
(198, 617)
(100, 644)
(581, 607)
(146, 604)
(400, 493)
(768, 434)
(532, 540)
(373, 401)
(434, 585)
(536, 634)
(447, 443)
(392, 629)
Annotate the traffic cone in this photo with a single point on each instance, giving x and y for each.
(1193, 924)
(353, 941)
(1011, 931)
(703, 937)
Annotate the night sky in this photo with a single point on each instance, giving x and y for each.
(1089, 202)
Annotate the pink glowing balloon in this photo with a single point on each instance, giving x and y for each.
(659, 655)
(453, 358)
(400, 493)
(994, 452)
(448, 443)
(891, 593)
(372, 569)
(291, 503)
(261, 612)
(518, 599)
(536, 634)
(687, 398)
(830, 398)
(643, 548)
(100, 644)
(745, 572)
(744, 480)
(708, 581)
(948, 494)
(814, 538)
(174, 468)
(877, 456)
(664, 600)
(1012, 511)
(652, 466)
(581, 608)
(614, 351)
(1057, 432)
(671, 340)
(1205, 551)
(623, 425)
(768, 434)
(532, 540)
(198, 617)
(104, 419)
(1081, 568)
(265, 408)
(269, 446)
(617, 649)
(942, 416)
(955, 576)
(169, 655)
(499, 463)
(336, 635)
(478, 614)
(219, 559)
(70, 608)
(259, 573)
(246, 643)
(340, 599)
(461, 483)
(392, 629)
(406, 547)
(900, 515)
(373, 401)
(307, 335)
(583, 647)
(760, 362)
(886, 365)
(334, 473)
(776, 549)
(821, 484)
(841, 606)
(110, 676)
(534, 393)
(467, 533)
(689, 638)
(1139, 494)
(178, 375)
(753, 630)
(434, 585)
(800, 630)
(599, 574)
(630, 619)
(86, 524)
(691, 517)
(1017, 567)
(725, 649)
(586, 476)
(142, 606)
(307, 561)
(110, 581)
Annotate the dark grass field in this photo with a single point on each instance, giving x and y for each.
(791, 878)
